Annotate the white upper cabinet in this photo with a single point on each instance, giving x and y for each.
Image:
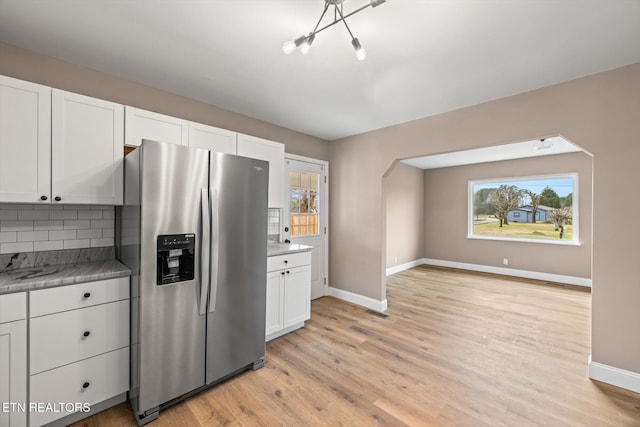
(141, 124)
(25, 141)
(263, 149)
(212, 138)
(87, 149)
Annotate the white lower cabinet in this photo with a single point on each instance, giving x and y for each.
(288, 293)
(77, 386)
(79, 348)
(13, 360)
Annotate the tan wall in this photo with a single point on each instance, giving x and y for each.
(34, 67)
(446, 217)
(601, 113)
(404, 192)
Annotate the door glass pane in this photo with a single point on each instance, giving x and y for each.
(303, 203)
(313, 202)
(294, 178)
(294, 200)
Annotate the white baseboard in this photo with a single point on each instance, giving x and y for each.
(367, 302)
(614, 376)
(398, 268)
(559, 278)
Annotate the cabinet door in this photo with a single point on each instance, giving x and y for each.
(87, 149)
(141, 124)
(212, 138)
(25, 141)
(275, 301)
(297, 295)
(273, 152)
(13, 372)
(67, 337)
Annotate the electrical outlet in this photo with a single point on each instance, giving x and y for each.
(505, 261)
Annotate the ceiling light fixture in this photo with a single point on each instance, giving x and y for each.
(542, 144)
(304, 42)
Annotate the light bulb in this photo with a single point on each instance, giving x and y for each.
(288, 47)
(361, 54)
(306, 45)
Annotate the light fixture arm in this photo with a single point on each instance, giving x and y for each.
(342, 18)
(326, 7)
(314, 32)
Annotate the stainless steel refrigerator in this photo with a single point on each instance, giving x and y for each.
(193, 230)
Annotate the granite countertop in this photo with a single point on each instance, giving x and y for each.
(286, 248)
(24, 272)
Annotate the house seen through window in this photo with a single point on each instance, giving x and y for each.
(540, 209)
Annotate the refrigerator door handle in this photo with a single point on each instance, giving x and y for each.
(215, 246)
(204, 251)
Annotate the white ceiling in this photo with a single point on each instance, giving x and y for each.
(518, 150)
(424, 56)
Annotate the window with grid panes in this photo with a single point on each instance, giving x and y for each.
(303, 203)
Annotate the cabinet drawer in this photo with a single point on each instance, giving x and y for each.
(107, 376)
(59, 339)
(54, 300)
(280, 262)
(13, 307)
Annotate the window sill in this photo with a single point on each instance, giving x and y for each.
(515, 239)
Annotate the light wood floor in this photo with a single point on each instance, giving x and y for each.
(454, 349)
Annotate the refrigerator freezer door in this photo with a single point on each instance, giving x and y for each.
(236, 328)
(171, 332)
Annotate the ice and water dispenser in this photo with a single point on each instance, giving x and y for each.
(176, 258)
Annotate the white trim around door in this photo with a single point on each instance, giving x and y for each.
(322, 289)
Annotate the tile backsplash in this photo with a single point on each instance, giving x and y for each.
(40, 227)
(273, 230)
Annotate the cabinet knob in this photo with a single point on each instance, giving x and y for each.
(288, 272)
(86, 384)
(86, 334)
(43, 197)
(286, 229)
(282, 273)
(57, 198)
(286, 262)
(86, 295)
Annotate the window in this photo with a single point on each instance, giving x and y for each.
(541, 209)
(303, 203)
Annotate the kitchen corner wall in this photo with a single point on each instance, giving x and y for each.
(40, 227)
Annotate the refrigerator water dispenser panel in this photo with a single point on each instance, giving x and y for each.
(176, 256)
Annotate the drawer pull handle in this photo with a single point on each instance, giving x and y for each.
(87, 294)
(86, 384)
(86, 333)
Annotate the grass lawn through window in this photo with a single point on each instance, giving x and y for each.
(522, 230)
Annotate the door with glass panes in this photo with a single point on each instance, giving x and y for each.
(306, 213)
